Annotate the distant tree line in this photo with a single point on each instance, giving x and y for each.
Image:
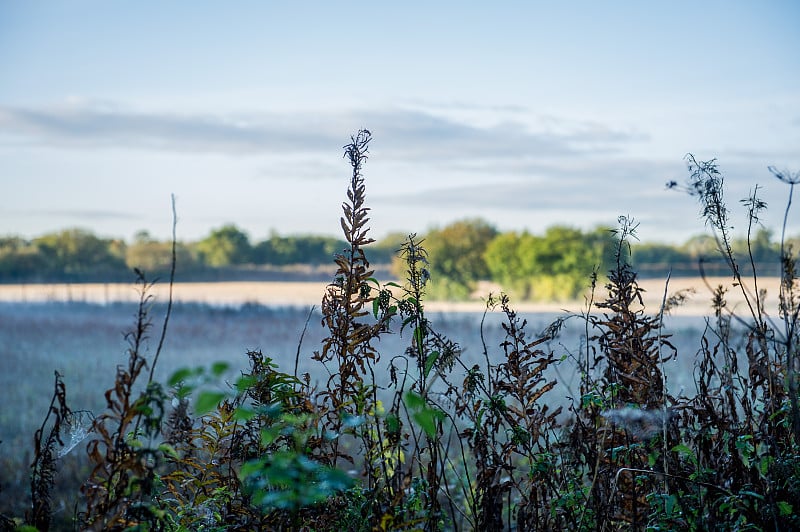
(557, 264)
(79, 255)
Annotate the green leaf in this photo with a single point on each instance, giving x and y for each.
(427, 419)
(392, 423)
(180, 376)
(245, 382)
(207, 401)
(243, 413)
(430, 361)
(375, 307)
(651, 459)
(418, 337)
(425, 416)
(169, 450)
(764, 464)
(184, 391)
(685, 452)
(785, 508)
(333, 480)
(218, 368)
(414, 401)
(269, 435)
(682, 449)
(670, 504)
(250, 468)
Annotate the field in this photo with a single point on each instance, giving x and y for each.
(78, 330)
(305, 294)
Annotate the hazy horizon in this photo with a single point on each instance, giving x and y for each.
(256, 238)
(527, 115)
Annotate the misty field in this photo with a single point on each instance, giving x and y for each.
(70, 329)
(306, 294)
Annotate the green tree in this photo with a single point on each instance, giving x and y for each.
(504, 261)
(225, 246)
(20, 260)
(299, 249)
(554, 266)
(704, 246)
(654, 259)
(456, 255)
(154, 257)
(276, 250)
(77, 254)
(763, 249)
(315, 249)
(563, 260)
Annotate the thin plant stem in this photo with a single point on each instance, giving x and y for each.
(171, 285)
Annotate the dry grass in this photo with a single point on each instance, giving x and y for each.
(305, 294)
(222, 293)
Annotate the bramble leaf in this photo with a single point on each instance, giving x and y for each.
(207, 401)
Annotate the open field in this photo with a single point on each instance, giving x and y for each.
(78, 330)
(305, 294)
(84, 342)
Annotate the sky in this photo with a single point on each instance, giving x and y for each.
(525, 114)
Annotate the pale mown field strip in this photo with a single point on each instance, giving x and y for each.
(305, 294)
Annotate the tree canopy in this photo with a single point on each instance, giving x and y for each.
(225, 246)
(456, 254)
(554, 265)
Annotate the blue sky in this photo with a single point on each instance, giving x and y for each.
(527, 114)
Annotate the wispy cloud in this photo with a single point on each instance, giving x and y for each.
(414, 134)
(87, 126)
(301, 168)
(403, 133)
(587, 187)
(779, 155)
(517, 196)
(75, 214)
(461, 105)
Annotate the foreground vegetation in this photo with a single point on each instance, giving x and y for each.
(419, 440)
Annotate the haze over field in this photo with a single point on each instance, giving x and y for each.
(527, 114)
(302, 295)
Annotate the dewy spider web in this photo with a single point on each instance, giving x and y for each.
(78, 425)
